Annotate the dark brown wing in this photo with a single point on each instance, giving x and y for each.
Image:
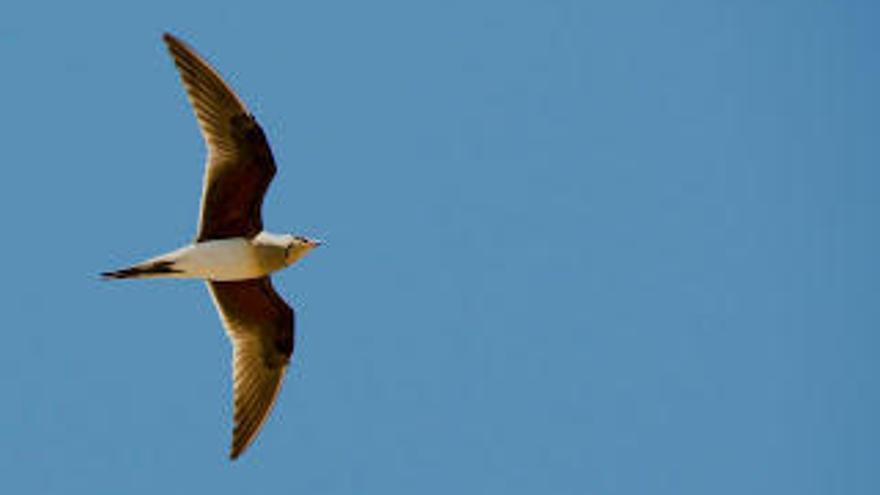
(239, 166)
(260, 325)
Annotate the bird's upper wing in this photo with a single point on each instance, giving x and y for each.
(240, 165)
(260, 325)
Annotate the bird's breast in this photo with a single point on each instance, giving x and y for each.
(223, 260)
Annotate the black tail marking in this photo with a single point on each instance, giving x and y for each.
(141, 270)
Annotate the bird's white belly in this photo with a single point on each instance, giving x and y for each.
(225, 259)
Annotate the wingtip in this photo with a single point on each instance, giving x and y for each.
(172, 41)
(235, 452)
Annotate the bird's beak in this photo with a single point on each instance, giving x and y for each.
(315, 242)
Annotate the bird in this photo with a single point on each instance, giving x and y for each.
(231, 251)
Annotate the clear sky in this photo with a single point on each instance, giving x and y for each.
(573, 247)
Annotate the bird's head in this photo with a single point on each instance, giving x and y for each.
(298, 247)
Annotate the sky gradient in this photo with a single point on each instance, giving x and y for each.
(572, 247)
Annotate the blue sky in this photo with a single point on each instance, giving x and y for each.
(572, 247)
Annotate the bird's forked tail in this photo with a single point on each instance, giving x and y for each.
(148, 269)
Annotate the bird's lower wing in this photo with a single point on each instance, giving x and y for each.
(260, 325)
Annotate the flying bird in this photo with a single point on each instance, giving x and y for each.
(231, 251)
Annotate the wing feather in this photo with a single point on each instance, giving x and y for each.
(260, 325)
(239, 165)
